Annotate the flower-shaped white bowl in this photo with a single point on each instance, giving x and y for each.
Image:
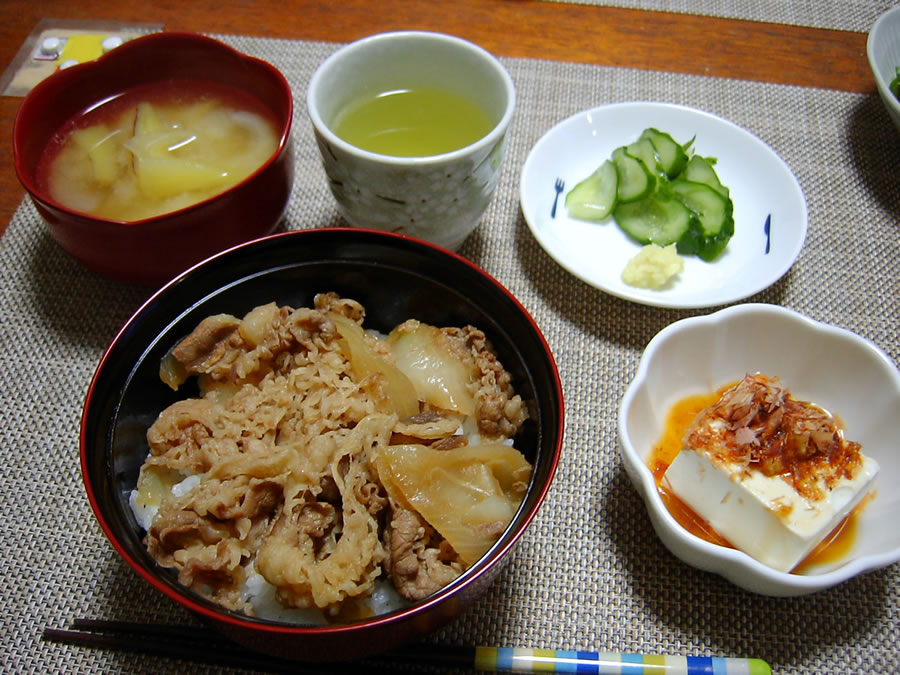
(883, 50)
(828, 366)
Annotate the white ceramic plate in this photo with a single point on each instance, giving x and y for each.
(761, 185)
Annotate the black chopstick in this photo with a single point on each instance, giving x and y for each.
(178, 632)
(171, 646)
(202, 645)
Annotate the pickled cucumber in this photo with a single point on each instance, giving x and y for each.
(659, 192)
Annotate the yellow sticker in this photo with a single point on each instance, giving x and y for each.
(72, 41)
(82, 48)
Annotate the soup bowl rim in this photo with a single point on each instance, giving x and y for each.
(151, 41)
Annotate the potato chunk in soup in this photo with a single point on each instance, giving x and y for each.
(140, 156)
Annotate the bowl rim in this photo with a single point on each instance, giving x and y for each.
(486, 141)
(875, 34)
(723, 560)
(143, 42)
(185, 597)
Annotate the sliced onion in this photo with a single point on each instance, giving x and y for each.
(172, 372)
(366, 363)
(439, 375)
(469, 495)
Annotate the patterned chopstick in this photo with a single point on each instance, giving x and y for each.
(519, 660)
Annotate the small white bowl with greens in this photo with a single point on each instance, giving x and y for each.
(883, 50)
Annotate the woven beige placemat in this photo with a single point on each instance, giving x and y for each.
(855, 15)
(590, 573)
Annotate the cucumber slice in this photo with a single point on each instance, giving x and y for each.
(714, 218)
(712, 209)
(700, 170)
(659, 193)
(658, 219)
(594, 198)
(672, 155)
(644, 151)
(635, 180)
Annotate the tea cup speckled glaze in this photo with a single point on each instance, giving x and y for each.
(439, 198)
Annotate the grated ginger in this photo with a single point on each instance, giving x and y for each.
(653, 267)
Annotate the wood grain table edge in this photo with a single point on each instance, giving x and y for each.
(587, 34)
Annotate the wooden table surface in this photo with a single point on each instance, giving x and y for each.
(518, 28)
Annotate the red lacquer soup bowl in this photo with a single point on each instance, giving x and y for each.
(152, 250)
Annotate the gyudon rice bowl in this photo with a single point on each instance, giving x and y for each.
(324, 473)
(395, 279)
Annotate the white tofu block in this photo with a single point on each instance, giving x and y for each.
(761, 515)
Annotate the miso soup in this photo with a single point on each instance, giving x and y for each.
(157, 149)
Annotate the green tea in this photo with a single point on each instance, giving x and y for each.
(412, 122)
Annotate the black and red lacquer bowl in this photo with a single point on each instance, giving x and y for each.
(395, 278)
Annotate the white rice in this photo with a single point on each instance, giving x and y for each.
(185, 486)
(143, 514)
(261, 595)
(259, 592)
